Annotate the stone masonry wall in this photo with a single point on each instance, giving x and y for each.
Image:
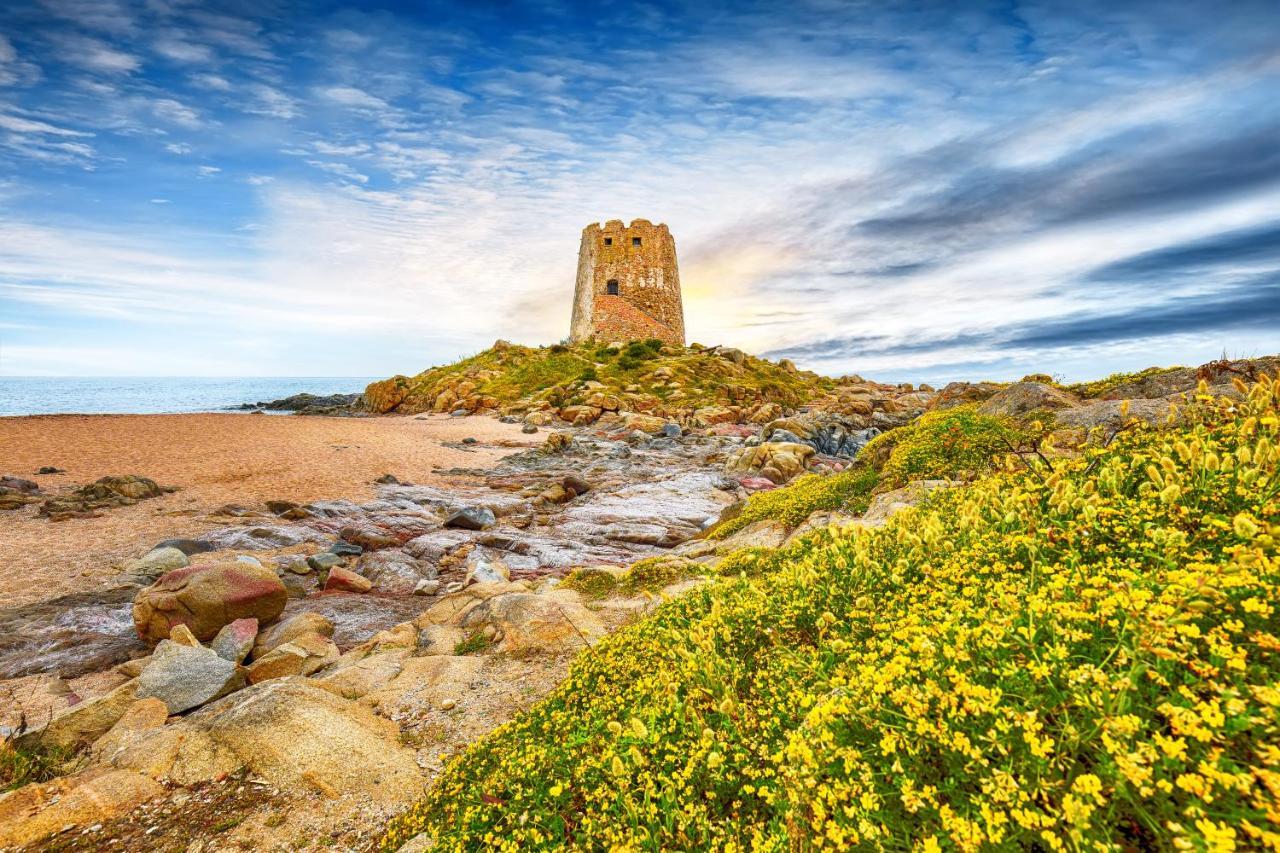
(647, 277)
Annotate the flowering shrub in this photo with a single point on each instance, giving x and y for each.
(1086, 657)
(955, 444)
(1102, 387)
(796, 501)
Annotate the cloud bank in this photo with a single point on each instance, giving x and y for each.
(904, 191)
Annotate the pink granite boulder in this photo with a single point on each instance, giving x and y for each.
(207, 597)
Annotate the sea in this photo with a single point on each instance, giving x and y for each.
(44, 395)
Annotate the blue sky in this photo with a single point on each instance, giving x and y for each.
(909, 191)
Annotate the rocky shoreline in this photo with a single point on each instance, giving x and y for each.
(336, 652)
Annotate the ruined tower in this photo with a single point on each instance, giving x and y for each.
(628, 286)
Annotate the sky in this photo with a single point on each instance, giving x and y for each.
(916, 191)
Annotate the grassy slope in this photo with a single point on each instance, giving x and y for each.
(1081, 657)
(512, 373)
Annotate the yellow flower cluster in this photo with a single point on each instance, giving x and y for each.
(958, 444)
(1082, 658)
(796, 501)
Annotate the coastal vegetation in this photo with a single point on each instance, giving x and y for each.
(1081, 653)
(640, 376)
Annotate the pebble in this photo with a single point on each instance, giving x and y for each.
(529, 429)
(448, 705)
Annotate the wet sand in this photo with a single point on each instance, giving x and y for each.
(214, 459)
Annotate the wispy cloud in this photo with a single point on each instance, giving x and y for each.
(901, 190)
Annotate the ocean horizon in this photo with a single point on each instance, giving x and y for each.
(154, 395)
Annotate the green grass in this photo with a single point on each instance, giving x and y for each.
(19, 766)
(557, 374)
(471, 644)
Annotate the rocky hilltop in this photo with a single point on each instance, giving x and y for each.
(718, 598)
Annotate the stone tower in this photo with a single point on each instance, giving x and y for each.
(628, 286)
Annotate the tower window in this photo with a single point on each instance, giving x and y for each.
(611, 287)
(608, 241)
(635, 241)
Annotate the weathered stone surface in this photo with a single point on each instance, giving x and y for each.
(287, 629)
(766, 533)
(425, 683)
(384, 396)
(155, 563)
(645, 423)
(85, 722)
(35, 812)
(289, 732)
(142, 716)
(367, 536)
(182, 635)
(628, 286)
(395, 572)
(302, 655)
(206, 597)
(235, 641)
(185, 677)
(471, 518)
(1021, 398)
(363, 675)
(345, 580)
(484, 569)
(885, 505)
(527, 622)
(31, 700)
(775, 461)
(451, 607)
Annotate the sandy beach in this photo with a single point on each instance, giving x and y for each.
(213, 459)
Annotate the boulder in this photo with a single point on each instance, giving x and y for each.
(142, 716)
(302, 655)
(775, 461)
(558, 442)
(395, 572)
(323, 562)
(182, 635)
(345, 580)
(484, 569)
(186, 677)
(367, 536)
(958, 393)
(581, 415)
(712, 415)
(382, 397)
(643, 423)
(1020, 398)
(82, 723)
(34, 812)
(105, 493)
(288, 629)
(156, 562)
(235, 641)
(525, 622)
(207, 597)
(471, 518)
(362, 675)
(289, 731)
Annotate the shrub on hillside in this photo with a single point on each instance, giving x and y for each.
(793, 503)
(1087, 660)
(954, 444)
